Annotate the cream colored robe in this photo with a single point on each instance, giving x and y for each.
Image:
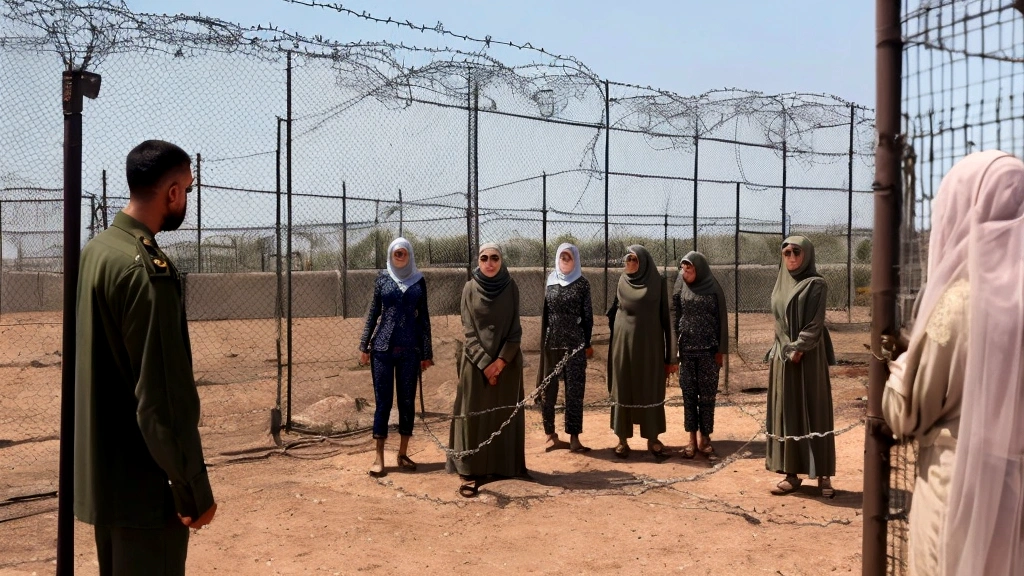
(921, 403)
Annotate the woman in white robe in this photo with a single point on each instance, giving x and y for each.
(958, 389)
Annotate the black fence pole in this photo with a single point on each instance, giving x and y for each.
(344, 249)
(884, 277)
(105, 223)
(476, 166)
(401, 215)
(696, 165)
(736, 273)
(849, 224)
(665, 274)
(288, 183)
(785, 154)
(199, 213)
(544, 225)
(469, 173)
(275, 414)
(607, 153)
(75, 86)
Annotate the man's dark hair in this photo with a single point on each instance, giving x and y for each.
(149, 163)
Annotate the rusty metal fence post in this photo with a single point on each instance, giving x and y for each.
(884, 277)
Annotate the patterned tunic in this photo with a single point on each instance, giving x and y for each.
(569, 321)
(570, 316)
(404, 321)
(697, 324)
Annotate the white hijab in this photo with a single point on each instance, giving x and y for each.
(978, 234)
(408, 274)
(556, 276)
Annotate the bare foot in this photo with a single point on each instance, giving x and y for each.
(555, 443)
(377, 469)
(576, 446)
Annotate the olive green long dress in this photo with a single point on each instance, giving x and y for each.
(640, 348)
(800, 394)
(492, 329)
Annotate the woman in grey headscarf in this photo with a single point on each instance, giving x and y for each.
(567, 322)
(799, 389)
(640, 355)
(490, 374)
(702, 334)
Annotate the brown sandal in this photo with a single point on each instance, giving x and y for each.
(688, 451)
(789, 485)
(406, 463)
(622, 450)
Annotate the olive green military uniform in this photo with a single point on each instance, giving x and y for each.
(138, 456)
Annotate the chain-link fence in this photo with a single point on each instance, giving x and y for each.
(963, 77)
(310, 157)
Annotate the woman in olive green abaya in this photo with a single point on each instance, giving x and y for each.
(799, 390)
(490, 372)
(641, 354)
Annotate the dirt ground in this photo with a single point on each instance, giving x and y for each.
(311, 508)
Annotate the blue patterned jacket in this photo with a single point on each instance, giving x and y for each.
(397, 319)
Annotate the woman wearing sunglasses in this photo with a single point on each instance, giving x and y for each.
(490, 374)
(396, 343)
(640, 355)
(799, 390)
(567, 322)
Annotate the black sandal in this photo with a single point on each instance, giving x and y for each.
(469, 489)
(406, 463)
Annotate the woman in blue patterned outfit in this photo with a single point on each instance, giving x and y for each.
(396, 344)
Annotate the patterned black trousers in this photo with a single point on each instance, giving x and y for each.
(394, 369)
(574, 374)
(698, 377)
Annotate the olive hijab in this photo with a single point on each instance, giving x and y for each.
(491, 287)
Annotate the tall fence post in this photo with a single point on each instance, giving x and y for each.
(884, 277)
(288, 181)
(607, 153)
(785, 154)
(105, 224)
(696, 165)
(665, 272)
(736, 273)
(401, 215)
(476, 166)
(469, 172)
(275, 414)
(344, 250)
(76, 86)
(199, 212)
(544, 224)
(849, 224)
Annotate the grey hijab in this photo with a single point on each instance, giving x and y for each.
(491, 287)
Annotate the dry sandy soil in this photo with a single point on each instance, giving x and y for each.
(311, 508)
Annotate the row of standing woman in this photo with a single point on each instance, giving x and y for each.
(396, 343)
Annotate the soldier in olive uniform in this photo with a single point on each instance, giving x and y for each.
(140, 478)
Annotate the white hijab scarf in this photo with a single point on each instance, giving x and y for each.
(408, 274)
(556, 276)
(978, 234)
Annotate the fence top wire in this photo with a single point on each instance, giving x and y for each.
(559, 88)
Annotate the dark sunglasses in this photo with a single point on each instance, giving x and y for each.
(791, 252)
(399, 253)
(493, 258)
(631, 258)
(189, 188)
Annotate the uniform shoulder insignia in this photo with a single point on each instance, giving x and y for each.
(152, 258)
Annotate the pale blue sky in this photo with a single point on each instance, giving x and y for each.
(685, 46)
